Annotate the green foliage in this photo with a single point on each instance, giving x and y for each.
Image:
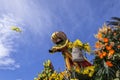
(107, 53)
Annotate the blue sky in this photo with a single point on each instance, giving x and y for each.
(22, 54)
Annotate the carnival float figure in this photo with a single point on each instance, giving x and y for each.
(72, 51)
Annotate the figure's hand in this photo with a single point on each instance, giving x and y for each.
(54, 50)
(50, 51)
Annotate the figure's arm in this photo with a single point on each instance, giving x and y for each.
(53, 50)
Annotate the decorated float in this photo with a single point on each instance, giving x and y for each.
(105, 66)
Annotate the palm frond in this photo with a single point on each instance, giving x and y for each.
(115, 21)
(116, 18)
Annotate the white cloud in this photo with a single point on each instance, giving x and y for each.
(8, 63)
(6, 43)
(36, 16)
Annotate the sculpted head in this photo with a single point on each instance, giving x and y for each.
(58, 37)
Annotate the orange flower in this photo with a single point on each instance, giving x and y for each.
(108, 47)
(106, 44)
(105, 40)
(104, 54)
(111, 51)
(97, 52)
(101, 56)
(99, 35)
(97, 45)
(108, 63)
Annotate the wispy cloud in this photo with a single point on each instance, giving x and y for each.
(33, 15)
(6, 43)
(36, 16)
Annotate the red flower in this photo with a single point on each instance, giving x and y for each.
(108, 63)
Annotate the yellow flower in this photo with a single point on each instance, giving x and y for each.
(91, 74)
(91, 68)
(70, 45)
(61, 76)
(48, 62)
(58, 79)
(65, 74)
(54, 74)
(77, 43)
(77, 70)
(74, 79)
(44, 75)
(87, 47)
(85, 71)
(89, 71)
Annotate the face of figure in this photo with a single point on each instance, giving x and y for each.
(58, 37)
(59, 40)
